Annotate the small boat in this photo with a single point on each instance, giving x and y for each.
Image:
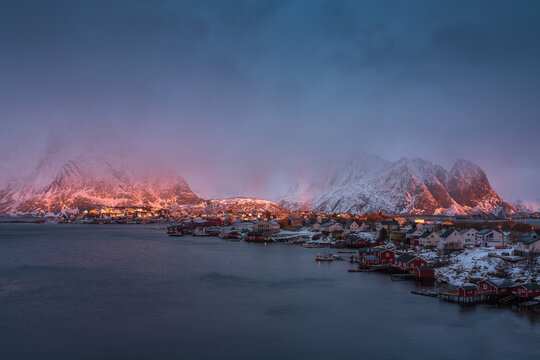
(175, 231)
(324, 257)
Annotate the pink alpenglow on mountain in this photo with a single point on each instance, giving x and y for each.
(79, 175)
(409, 186)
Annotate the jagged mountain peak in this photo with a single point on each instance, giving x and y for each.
(408, 185)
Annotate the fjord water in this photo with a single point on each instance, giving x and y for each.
(129, 291)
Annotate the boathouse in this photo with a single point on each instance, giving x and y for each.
(256, 236)
(467, 290)
(424, 272)
(355, 241)
(387, 256)
(495, 287)
(365, 251)
(370, 260)
(465, 294)
(408, 262)
(527, 290)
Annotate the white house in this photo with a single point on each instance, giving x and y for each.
(266, 226)
(242, 225)
(490, 238)
(331, 226)
(469, 236)
(353, 226)
(429, 239)
(450, 239)
(529, 244)
(389, 225)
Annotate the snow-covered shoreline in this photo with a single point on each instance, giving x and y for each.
(473, 264)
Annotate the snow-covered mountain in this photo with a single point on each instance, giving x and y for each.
(243, 205)
(237, 205)
(81, 170)
(408, 186)
(528, 207)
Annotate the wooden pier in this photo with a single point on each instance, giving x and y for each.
(425, 292)
(455, 298)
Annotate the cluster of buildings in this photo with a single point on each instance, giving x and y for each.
(454, 239)
(381, 258)
(489, 289)
(418, 233)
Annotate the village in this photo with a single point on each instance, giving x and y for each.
(478, 265)
(477, 260)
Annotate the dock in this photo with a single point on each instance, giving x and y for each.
(401, 277)
(360, 270)
(425, 292)
(455, 298)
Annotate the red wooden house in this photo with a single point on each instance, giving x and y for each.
(365, 251)
(467, 291)
(354, 241)
(408, 262)
(256, 236)
(424, 272)
(369, 260)
(527, 290)
(495, 287)
(387, 256)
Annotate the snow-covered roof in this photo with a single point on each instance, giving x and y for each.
(484, 232)
(528, 240)
(468, 287)
(531, 286)
(501, 283)
(447, 233)
(406, 258)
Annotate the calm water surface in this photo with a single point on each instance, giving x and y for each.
(112, 291)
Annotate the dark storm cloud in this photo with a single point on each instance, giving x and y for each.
(302, 83)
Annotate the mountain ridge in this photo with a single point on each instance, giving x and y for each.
(78, 172)
(407, 186)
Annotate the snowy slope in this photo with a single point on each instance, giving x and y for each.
(244, 205)
(80, 171)
(235, 205)
(408, 186)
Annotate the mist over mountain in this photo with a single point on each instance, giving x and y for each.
(408, 186)
(84, 169)
(90, 166)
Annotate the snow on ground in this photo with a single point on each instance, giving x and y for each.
(475, 264)
(284, 234)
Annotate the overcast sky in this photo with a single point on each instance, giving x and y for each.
(239, 95)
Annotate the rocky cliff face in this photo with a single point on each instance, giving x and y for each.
(408, 186)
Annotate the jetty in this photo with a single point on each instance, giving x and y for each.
(425, 292)
(401, 277)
